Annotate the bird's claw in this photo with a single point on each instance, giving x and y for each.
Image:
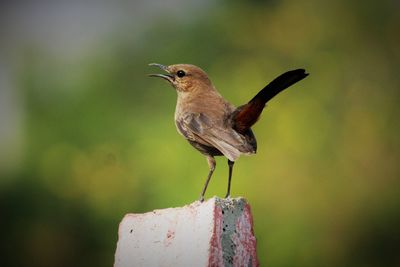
(201, 199)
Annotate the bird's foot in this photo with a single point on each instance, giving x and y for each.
(228, 196)
(201, 199)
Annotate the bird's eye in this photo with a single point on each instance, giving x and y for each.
(180, 73)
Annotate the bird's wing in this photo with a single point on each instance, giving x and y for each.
(199, 128)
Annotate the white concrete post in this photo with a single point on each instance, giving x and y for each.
(217, 232)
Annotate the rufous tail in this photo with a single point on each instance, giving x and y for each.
(247, 115)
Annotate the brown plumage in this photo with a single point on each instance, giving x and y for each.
(210, 123)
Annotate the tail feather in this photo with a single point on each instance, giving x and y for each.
(247, 115)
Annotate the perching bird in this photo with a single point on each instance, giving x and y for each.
(210, 123)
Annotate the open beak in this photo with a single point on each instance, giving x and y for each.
(167, 76)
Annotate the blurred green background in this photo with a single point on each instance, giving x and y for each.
(86, 137)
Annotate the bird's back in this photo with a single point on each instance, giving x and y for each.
(204, 118)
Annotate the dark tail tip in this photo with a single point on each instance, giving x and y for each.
(280, 83)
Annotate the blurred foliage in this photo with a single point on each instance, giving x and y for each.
(99, 137)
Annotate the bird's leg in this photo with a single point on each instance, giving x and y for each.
(230, 164)
(211, 165)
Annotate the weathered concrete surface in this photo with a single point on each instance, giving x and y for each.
(217, 232)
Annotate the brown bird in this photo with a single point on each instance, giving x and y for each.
(210, 123)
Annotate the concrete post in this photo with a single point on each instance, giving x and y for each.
(217, 232)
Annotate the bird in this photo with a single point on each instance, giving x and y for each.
(210, 123)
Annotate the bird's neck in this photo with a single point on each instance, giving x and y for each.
(201, 101)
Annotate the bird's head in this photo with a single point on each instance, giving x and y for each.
(184, 77)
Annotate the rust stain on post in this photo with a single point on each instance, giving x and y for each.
(233, 237)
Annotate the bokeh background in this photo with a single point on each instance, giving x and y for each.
(86, 137)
